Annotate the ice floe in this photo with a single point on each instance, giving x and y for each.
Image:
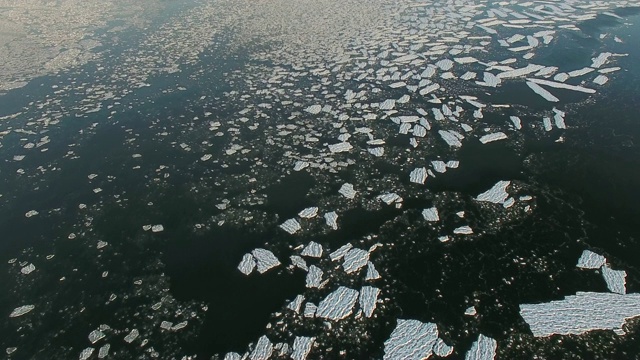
(301, 347)
(497, 194)
(22, 310)
(431, 214)
(291, 226)
(313, 249)
(482, 349)
(265, 260)
(411, 340)
(337, 305)
(615, 279)
(590, 260)
(263, 349)
(368, 299)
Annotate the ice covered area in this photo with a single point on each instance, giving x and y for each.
(482, 349)
(338, 305)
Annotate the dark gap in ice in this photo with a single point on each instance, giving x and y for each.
(288, 197)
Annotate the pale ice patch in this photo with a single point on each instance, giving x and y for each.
(590, 260)
(482, 349)
(337, 305)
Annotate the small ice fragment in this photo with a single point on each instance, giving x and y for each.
(463, 230)
(263, 349)
(517, 123)
(157, 228)
(132, 336)
(310, 309)
(338, 305)
(376, 151)
(22, 310)
(28, 269)
(389, 198)
(441, 349)
(103, 352)
(354, 260)
(331, 219)
(483, 349)
(247, 264)
(340, 147)
(368, 299)
(31, 213)
(265, 260)
(431, 214)
(296, 303)
(300, 165)
(542, 92)
(314, 109)
(313, 249)
(493, 137)
(301, 347)
(341, 252)
(411, 340)
(308, 213)
(418, 175)
(590, 260)
(291, 226)
(497, 194)
(615, 279)
(299, 262)
(471, 311)
(86, 353)
(450, 137)
(95, 336)
(601, 80)
(372, 273)
(347, 191)
(314, 277)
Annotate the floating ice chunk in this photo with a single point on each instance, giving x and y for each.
(431, 214)
(308, 213)
(263, 349)
(265, 260)
(465, 60)
(591, 260)
(490, 80)
(559, 85)
(411, 340)
(482, 349)
(232, 356)
(340, 147)
(296, 303)
(291, 226)
(31, 213)
(314, 109)
(157, 228)
(377, 151)
(445, 64)
(355, 260)
(300, 165)
(132, 336)
(347, 191)
(561, 77)
(453, 164)
(509, 203)
(313, 249)
(247, 264)
(469, 75)
(206, 157)
(517, 123)
(439, 166)
(429, 89)
(388, 104)
(372, 273)
(314, 277)
(86, 353)
(463, 230)
(28, 269)
(301, 347)
(418, 175)
(299, 262)
(450, 137)
(615, 279)
(546, 122)
(389, 198)
(542, 92)
(103, 352)
(559, 118)
(497, 194)
(22, 310)
(441, 349)
(310, 310)
(471, 311)
(95, 336)
(531, 68)
(580, 313)
(493, 137)
(419, 131)
(600, 60)
(368, 299)
(337, 305)
(331, 219)
(581, 72)
(398, 84)
(428, 72)
(601, 80)
(341, 252)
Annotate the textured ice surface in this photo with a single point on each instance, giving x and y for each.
(389, 198)
(354, 260)
(542, 92)
(86, 353)
(347, 191)
(450, 137)
(577, 314)
(299, 262)
(615, 279)
(497, 194)
(418, 175)
(301, 347)
(493, 137)
(314, 277)
(463, 230)
(482, 349)
(265, 260)
(132, 336)
(263, 349)
(337, 305)
(590, 260)
(313, 249)
(157, 228)
(247, 264)
(291, 226)
(411, 340)
(441, 349)
(310, 309)
(431, 214)
(372, 273)
(296, 303)
(341, 252)
(368, 299)
(308, 213)
(331, 219)
(340, 147)
(22, 310)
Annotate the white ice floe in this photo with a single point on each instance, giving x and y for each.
(389, 198)
(471, 311)
(376, 151)
(431, 214)
(531, 68)
(133, 334)
(388, 104)
(355, 260)
(157, 228)
(482, 349)
(542, 92)
(95, 336)
(411, 340)
(493, 137)
(103, 352)
(372, 273)
(340, 253)
(265, 260)
(517, 123)
(558, 117)
(331, 219)
(615, 279)
(559, 85)
(347, 191)
(299, 262)
(296, 303)
(263, 349)
(291, 226)
(441, 349)
(22, 310)
(590, 260)
(247, 264)
(580, 313)
(368, 299)
(497, 194)
(313, 249)
(310, 310)
(31, 213)
(463, 230)
(337, 305)
(309, 213)
(28, 269)
(301, 347)
(86, 353)
(452, 138)
(601, 80)
(340, 147)
(418, 175)
(300, 165)
(314, 277)
(314, 109)
(439, 166)
(601, 59)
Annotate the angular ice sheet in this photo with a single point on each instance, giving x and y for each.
(411, 340)
(291, 226)
(313, 249)
(497, 194)
(355, 260)
(331, 219)
(347, 191)
(493, 137)
(418, 175)
(368, 299)
(615, 279)
(301, 347)
(590, 260)
(337, 305)
(483, 349)
(247, 264)
(22, 310)
(265, 260)
(263, 349)
(431, 214)
(308, 213)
